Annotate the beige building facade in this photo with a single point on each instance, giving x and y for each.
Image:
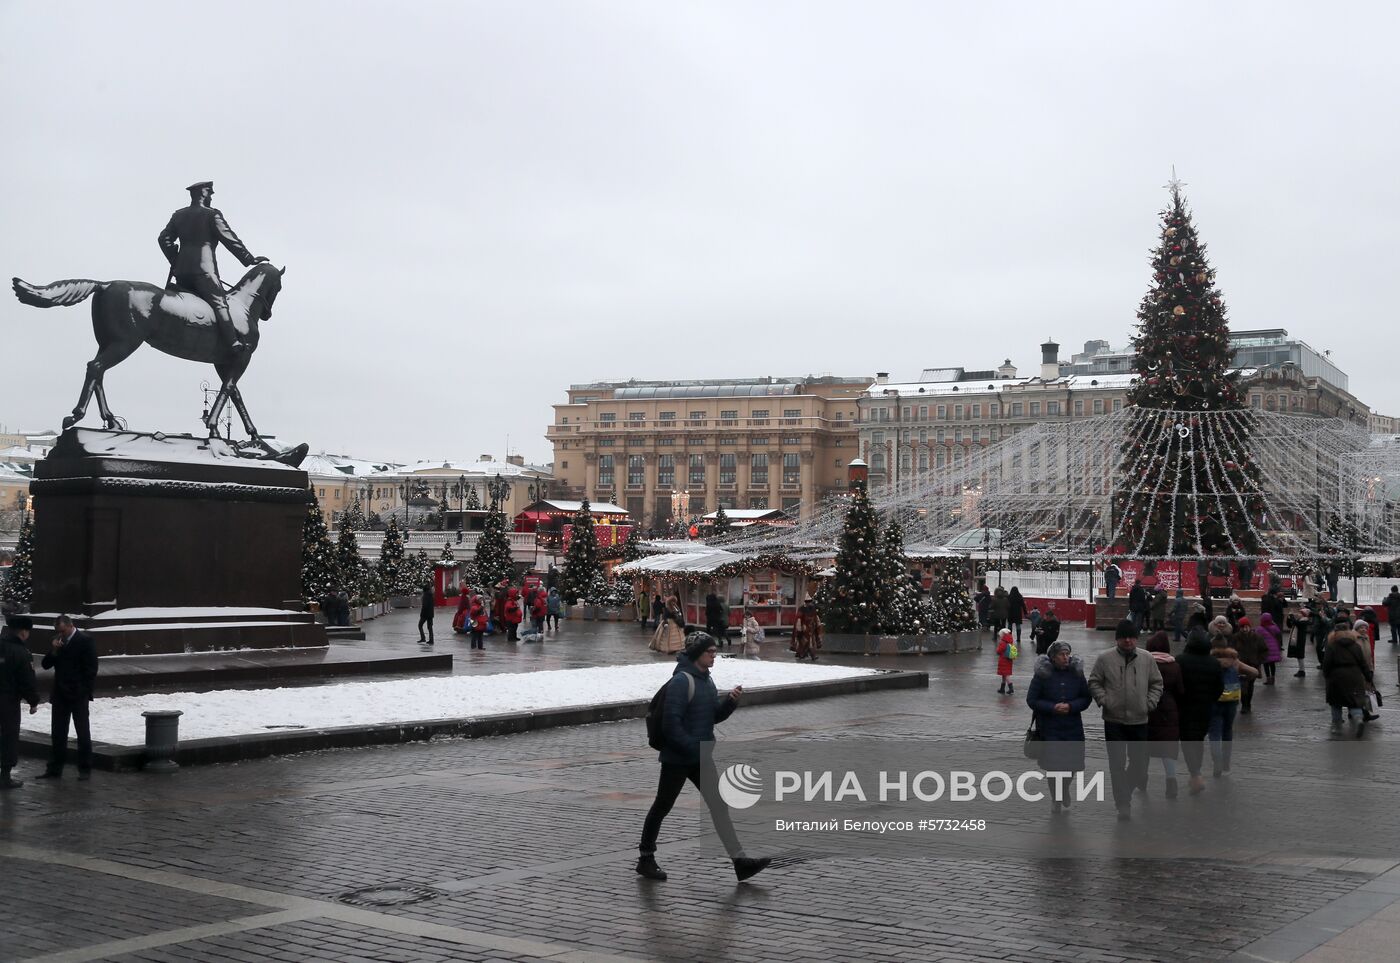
(665, 448)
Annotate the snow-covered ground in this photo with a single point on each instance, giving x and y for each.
(242, 711)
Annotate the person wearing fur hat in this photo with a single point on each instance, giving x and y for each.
(1058, 695)
(1007, 651)
(1127, 686)
(1164, 721)
(17, 685)
(690, 713)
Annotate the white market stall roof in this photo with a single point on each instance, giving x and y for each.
(597, 508)
(925, 550)
(706, 561)
(748, 514)
(663, 546)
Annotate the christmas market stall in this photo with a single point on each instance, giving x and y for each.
(550, 520)
(770, 585)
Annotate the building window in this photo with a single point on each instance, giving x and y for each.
(759, 415)
(877, 437)
(696, 441)
(923, 412)
(791, 440)
(923, 436)
(1035, 408)
(1117, 404)
(665, 441)
(1079, 406)
(905, 461)
(938, 437)
(957, 411)
(791, 416)
(729, 417)
(923, 460)
(957, 434)
(943, 412)
(607, 417)
(321, 493)
(665, 471)
(605, 471)
(728, 469)
(728, 439)
(792, 468)
(940, 458)
(1052, 407)
(1016, 409)
(838, 443)
(697, 416)
(906, 412)
(667, 417)
(976, 411)
(758, 468)
(1098, 406)
(335, 517)
(758, 501)
(563, 464)
(697, 472)
(337, 494)
(993, 410)
(605, 441)
(877, 462)
(636, 416)
(636, 469)
(758, 440)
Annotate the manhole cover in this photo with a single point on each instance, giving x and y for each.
(388, 895)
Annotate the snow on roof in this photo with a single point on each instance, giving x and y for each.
(706, 561)
(503, 468)
(674, 545)
(8, 474)
(597, 508)
(928, 550)
(22, 453)
(738, 514)
(1097, 382)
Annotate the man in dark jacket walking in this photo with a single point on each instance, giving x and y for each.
(73, 658)
(691, 711)
(1392, 612)
(426, 607)
(16, 685)
(714, 618)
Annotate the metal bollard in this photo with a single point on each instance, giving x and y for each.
(162, 736)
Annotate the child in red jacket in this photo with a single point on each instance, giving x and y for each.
(1007, 651)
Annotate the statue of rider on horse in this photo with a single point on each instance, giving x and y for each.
(191, 318)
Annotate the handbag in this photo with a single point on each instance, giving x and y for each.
(1034, 740)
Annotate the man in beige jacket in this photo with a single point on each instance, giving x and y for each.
(1126, 684)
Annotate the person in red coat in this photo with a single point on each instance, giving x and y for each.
(539, 608)
(513, 615)
(1005, 650)
(478, 619)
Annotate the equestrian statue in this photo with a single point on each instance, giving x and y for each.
(191, 317)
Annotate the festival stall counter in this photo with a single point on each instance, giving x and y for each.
(771, 587)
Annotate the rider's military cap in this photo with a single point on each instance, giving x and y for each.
(200, 185)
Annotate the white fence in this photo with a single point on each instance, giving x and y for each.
(1043, 584)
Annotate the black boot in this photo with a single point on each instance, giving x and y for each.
(1171, 788)
(646, 866)
(1002, 690)
(9, 782)
(746, 867)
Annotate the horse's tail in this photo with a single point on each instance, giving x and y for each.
(58, 294)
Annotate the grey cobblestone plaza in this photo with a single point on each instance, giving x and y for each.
(520, 848)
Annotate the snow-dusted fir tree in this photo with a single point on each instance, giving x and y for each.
(722, 525)
(422, 568)
(472, 502)
(447, 556)
(582, 570)
(902, 614)
(950, 608)
(318, 557)
(1184, 490)
(354, 516)
(349, 567)
(493, 558)
(18, 587)
(854, 600)
(392, 570)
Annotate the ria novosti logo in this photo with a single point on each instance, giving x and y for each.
(740, 786)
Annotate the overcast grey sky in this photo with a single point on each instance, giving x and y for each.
(480, 203)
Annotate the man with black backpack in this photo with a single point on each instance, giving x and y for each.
(681, 724)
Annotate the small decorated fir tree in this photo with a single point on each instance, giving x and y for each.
(582, 569)
(472, 503)
(318, 555)
(392, 570)
(853, 604)
(950, 608)
(447, 556)
(494, 561)
(722, 524)
(902, 614)
(18, 587)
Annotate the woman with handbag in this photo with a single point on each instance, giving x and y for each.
(1058, 696)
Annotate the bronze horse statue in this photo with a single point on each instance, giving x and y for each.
(127, 314)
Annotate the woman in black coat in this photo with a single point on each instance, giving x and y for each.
(1202, 681)
(1015, 611)
(1049, 633)
(1058, 696)
(1348, 675)
(1164, 722)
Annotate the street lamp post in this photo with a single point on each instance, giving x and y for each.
(499, 490)
(406, 490)
(367, 490)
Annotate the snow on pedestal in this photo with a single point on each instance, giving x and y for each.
(118, 721)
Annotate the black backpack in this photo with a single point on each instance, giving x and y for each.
(655, 737)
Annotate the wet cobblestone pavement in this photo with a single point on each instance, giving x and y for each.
(521, 848)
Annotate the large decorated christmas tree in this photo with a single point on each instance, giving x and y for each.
(318, 555)
(583, 572)
(856, 593)
(1186, 484)
(494, 561)
(17, 588)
